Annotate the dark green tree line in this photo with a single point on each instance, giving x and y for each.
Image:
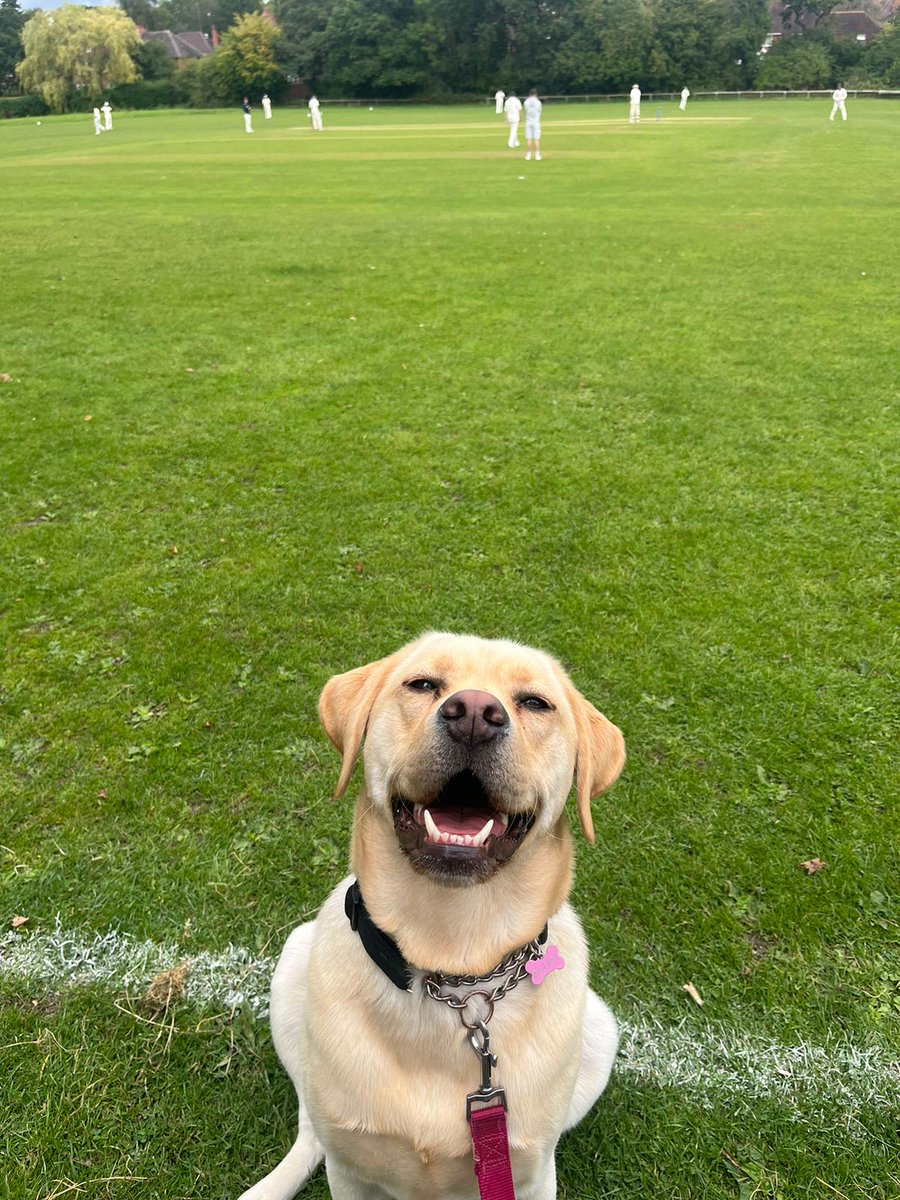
(404, 47)
(441, 48)
(12, 22)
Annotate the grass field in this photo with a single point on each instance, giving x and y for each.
(276, 404)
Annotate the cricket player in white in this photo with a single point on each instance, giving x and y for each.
(684, 99)
(498, 101)
(634, 105)
(839, 95)
(97, 127)
(316, 114)
(533, 109)
(513, 110)
(267, 107)
(106, 109)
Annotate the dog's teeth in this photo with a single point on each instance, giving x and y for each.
(433, 834)
(503, 819)
(417, 813)
(432, 831)
(482, 836)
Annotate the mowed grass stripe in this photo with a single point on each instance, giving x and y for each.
(696, 1056)
(548, 122)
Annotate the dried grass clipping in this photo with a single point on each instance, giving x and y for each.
(167, 988)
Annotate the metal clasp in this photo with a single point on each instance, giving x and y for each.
(486, 1094)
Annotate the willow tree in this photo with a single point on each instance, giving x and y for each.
(77, 49)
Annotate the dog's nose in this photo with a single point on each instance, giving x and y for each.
(473, 717)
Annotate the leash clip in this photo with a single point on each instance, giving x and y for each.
(487, 1095)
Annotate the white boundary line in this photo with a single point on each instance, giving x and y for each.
(235, 978)
(710, 1063)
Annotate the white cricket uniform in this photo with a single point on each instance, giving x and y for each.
(267, 108)
(513, 110)
(533, 109)
(684, 99)
(107, 115)
(316, 114)
(839, 95)
(498, 101)
(634, 105)
(97, 127)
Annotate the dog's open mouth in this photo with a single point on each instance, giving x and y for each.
(459, 836)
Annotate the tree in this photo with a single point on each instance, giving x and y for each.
(142, 12)
(467, 45)
(536, 32)
(246, 61)
(606, 45)
(361, 47)
(373, 47)
(796, 63)
(12, 21)
(742, 31)
(806, 14)
(881, 62)
(200, 83)
(80, 49)
(153, 62)
(684, 35)
(300, 21)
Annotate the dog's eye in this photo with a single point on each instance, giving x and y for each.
(535, 703)
(421, 685)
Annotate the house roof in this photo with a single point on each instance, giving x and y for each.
(192, 44)
(842, 24)
(853, 24)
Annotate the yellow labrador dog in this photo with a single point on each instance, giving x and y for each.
(447, 977)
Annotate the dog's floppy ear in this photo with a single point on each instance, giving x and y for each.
(601, 757)
(344, 707)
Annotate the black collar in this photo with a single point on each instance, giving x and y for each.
(380, 946)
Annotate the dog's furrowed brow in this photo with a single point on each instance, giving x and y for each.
(424, 670)
(529, 683)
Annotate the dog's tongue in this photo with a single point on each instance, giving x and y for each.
(462, 822)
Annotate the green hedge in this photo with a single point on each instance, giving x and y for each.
(151, 93)
(155, 93)
(22, 106)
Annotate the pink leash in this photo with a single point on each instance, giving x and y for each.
(490, 1139)
(491, 1145)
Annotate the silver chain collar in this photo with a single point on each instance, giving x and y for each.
(511, 969)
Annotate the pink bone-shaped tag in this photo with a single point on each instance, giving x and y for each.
(541, 967)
